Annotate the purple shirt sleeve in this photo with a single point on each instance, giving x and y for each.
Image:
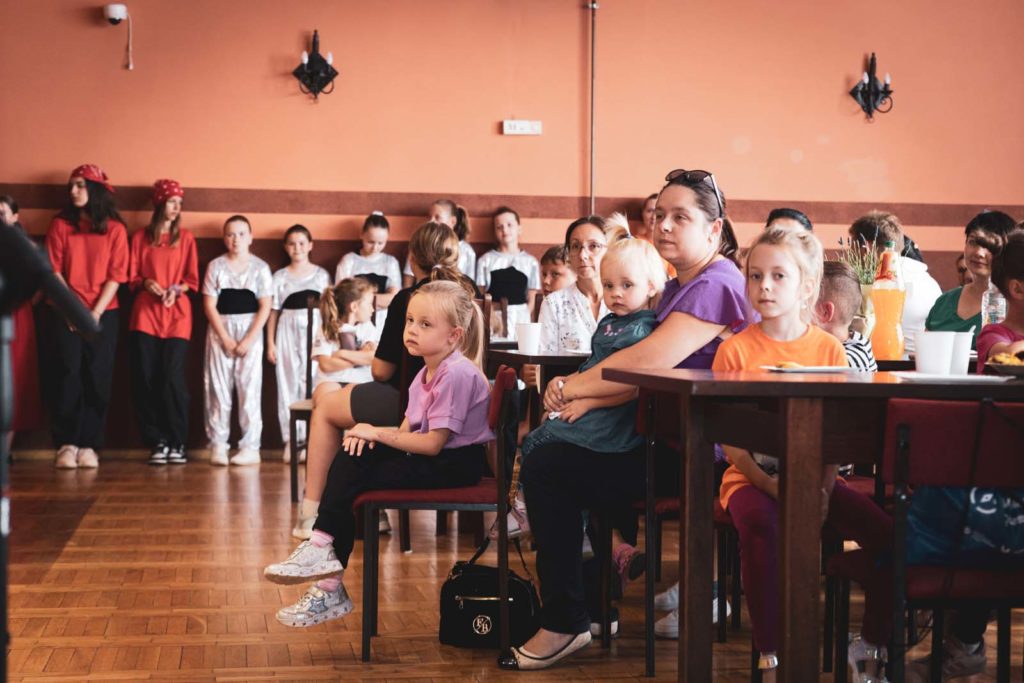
(449, 404)
(990, 336)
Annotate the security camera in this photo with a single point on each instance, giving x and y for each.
(115, 13)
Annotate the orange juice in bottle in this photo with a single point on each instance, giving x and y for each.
(888, 294)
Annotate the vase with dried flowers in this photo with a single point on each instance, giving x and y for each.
(862, 257)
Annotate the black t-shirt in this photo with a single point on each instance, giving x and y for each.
(390, 347)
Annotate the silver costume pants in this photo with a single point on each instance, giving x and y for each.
(291, 364)
(223, 376)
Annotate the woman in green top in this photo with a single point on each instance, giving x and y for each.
(959, 309)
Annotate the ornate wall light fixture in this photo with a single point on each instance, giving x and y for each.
(871, 94)
(316, 73)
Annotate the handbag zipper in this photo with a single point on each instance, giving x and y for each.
(473, 598)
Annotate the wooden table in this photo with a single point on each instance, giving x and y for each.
(550, 365)
(805, 420)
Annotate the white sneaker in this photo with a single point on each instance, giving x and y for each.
(219, 455)
(246, 456)
(668, 599)
(587, 550)
(958, 661)
(87, 459)
(306, 562)
(67, 457)
(383, 523)
(668, 625)
(304, 527)
(286, 452)
(316, 606)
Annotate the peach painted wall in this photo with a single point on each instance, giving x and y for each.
(755, 91)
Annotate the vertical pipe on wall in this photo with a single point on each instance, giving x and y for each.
(593, 66)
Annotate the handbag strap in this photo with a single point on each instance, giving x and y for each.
(519, 549)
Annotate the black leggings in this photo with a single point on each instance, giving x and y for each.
(560, 481)
(383, 467)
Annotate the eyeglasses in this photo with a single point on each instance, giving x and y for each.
(683, 177)
(591, 247)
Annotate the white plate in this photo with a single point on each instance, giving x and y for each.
(951, 379)
(812, 369)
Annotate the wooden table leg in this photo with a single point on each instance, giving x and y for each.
(800, 539)
(696, 498)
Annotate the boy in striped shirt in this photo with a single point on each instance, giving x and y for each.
(838, 302)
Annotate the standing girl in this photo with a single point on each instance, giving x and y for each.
(784, 269)
(447, 212)
(371, 260)
(508, 255)
(164, 268)
(440, 444)
(88, 249)
(28, 409)
(236, 298)
(286, 326)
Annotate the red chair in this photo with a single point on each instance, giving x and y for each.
(942, 443)
(487, 495)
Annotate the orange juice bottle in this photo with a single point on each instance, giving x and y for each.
(888, 295)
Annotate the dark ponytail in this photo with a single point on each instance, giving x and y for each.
(458, 212)
(727, 244)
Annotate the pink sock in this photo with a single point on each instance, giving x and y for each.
(321, 539)
(330, 584)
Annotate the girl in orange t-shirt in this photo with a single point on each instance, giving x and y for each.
(164, 268)
(783, 277)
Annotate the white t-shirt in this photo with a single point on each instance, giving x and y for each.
(365, 332)
(495, 260)
(567, 321)
(922, 293)
(382, 264)
(467, 261)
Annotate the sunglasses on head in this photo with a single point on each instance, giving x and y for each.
(690, 178)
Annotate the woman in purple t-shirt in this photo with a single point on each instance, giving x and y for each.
(697, 311)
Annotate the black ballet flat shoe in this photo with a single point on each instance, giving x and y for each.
(523, 660)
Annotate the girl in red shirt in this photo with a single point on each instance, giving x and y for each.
(163, 269)
(88, 249)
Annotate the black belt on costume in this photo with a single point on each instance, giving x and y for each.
(296, 301)
(237, 301)
(508, 283)
(378, 281)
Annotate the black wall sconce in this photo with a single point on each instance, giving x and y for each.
(316, 74)
(871, 94)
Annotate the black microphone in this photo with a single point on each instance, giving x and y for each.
(25, 269)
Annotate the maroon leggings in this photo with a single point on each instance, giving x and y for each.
(852, 516)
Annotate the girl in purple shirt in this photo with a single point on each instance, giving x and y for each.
(440, 444)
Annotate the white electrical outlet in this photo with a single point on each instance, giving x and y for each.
(521, 127)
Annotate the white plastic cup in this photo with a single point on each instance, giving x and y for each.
(960, 362)
(528, 338)
(933, 352)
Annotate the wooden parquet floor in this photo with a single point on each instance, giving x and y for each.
(137, 573)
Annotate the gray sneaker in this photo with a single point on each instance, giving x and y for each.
(316, 606)
(306, 562)
(956, 663)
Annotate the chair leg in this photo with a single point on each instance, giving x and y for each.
(442, 522)
(938, 633)
(293, 465)
(830, 634)
(723, 561)
(403, 531)
(737, 582)
(912, 634)
(1003, 645)
(603, 552)
(658, 530)
(368, 514)
(840, 671)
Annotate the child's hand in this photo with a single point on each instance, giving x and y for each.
(272, 354)
(369, 346)
(353, 445)
(229, 345)
(553, 401)
(243, 347)
(530, 376)
(169, 297)
(575, 409)
(364, 431)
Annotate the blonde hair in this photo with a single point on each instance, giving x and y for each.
(452, 301)
(335, 302)
(640, 257)
(434, 248)
(616, 228)
(805, 249)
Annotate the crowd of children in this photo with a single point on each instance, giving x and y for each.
(674, 297)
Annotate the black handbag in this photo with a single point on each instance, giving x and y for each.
(469, 605)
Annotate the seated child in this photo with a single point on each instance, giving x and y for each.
(440, 444)
(632, 277)
(344, 344)
(555, 273)
(1006, 337)
(838, 303)
(783, 276)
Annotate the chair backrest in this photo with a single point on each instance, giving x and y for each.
(942, 438)
(504, 382)
(538, 301)
(485, 304)
(311, 305)
(503, 419)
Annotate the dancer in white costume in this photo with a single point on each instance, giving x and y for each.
(287, 326)
(455, 217)
(507, 255)
(236, 299)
